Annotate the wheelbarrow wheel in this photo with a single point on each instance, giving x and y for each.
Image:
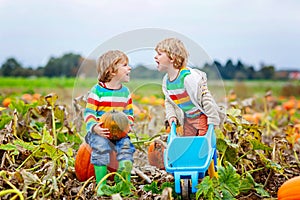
(185, 187)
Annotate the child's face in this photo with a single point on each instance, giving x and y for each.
(123, 72)
(163, 61)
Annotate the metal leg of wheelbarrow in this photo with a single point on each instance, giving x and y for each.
(193, 176)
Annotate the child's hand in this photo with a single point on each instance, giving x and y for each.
(103, 132)
(172, 119)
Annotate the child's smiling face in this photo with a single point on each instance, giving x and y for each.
(123, 71)
(163, 61)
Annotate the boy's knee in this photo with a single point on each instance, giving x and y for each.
(100, 159)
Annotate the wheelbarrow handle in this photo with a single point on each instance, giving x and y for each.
(172, 134)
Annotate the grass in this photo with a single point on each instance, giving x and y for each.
(142, 87)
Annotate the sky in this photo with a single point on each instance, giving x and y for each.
(255, 32)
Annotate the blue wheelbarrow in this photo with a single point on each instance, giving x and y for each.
(188, 158)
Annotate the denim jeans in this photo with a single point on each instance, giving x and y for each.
(101, 148)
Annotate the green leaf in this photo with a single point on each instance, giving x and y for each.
(26, 145)
(223, 144)
(70, 138)
(231, 155)
(59, 113)
(121, 187)
(53, 152)
(124, 188)
(167, 184)
(35, 136)
(20, 106)
(247, 183)
(4, 119)
(260, 190)
(229, 179)
(152, 187)
(271, 164)
(9, 147)
(108, 190)
(205, 188)
(226, 195)
(47, 138)
(257, 145)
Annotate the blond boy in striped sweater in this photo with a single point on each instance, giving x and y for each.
(107, 95)
(187, 98)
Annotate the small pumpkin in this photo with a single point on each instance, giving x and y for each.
(6, 102)
(289, 190)
(27, 98)
(156, 154)
(84, 169)
(117, 123)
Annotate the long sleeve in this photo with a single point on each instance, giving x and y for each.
(90, 112)
(196, 85)
(128, 110)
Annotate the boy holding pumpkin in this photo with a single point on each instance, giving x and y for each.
(106, 99)
(187, 98)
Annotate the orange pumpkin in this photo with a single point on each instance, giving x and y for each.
(156, 154)
(6, 102)
(27, 98)
(83, 167)
(117, 123)
(289, 190)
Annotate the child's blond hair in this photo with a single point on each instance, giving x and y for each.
(175, 50)
(107, 64)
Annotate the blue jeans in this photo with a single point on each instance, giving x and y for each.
(101, 148)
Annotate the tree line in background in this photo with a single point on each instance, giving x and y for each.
(69, 64)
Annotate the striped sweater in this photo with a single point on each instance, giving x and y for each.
(179, 95)
(195, 84)
(101, 100)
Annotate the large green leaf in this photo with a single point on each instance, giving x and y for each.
(229, 179)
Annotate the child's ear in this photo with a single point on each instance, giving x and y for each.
(172, 58)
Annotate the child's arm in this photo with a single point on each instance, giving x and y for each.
(169, 107)
(208, 103)
(128, 110)
(210, 107)
(196, 86)
(170, 112)
(90, 116)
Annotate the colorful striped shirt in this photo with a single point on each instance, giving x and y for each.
(101, 100)
(179, 95)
